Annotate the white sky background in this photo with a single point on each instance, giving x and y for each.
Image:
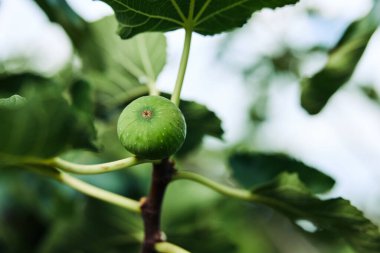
(343, 140)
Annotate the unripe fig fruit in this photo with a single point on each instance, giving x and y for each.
(152, 127)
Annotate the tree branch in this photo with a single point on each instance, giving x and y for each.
(151, 206)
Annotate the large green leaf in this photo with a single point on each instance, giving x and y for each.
(200, 122)
(43, 126)
(206, 17)
(343, 59)
(128, 66)
(291, 197)
(252, 169)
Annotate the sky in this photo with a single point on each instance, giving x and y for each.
(343, 140)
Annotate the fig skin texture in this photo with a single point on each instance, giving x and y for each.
(152, 127)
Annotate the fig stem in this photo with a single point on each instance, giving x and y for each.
(88, 189)
(235, 192)
(218, 187)
(151, 206)
(153, 91)
(95, 168)
(182, 68)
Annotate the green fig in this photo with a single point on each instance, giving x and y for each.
(152, 127)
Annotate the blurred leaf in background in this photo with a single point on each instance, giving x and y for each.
(37, 215)
(43, 126)
(14, 83)
(290, 196)
(371, 92)
(194, 226)
(97, 228)
(130, 67)
(200, 122)
(252, 169)
(342, 61)
(28, 205)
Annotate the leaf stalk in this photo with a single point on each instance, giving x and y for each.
(95, 168)
(88, 189)
(182, 68)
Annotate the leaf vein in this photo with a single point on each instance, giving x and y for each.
(147, 14)
(220, 11)
(178, 9)
(203, 9)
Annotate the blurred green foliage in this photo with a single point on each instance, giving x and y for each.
(252, 169)
(41, 117)
(43, 124)
(342, 61)
(289, 195)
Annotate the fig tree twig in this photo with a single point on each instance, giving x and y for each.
(151, 206)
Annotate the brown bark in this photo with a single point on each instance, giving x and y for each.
(151, 206)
